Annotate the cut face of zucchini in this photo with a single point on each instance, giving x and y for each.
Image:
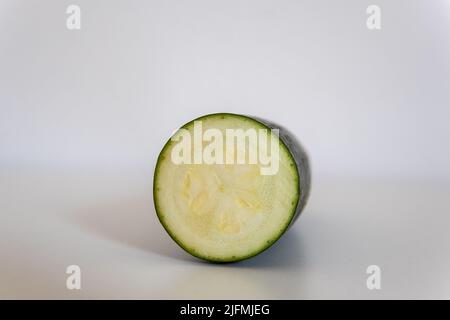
(229, 209)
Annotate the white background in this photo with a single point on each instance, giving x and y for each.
(84, 114)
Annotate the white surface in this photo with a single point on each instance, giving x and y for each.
(83, 115)
(105, 223)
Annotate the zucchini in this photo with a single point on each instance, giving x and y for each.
(227, 186)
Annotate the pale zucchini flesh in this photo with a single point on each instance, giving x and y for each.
(229, 212)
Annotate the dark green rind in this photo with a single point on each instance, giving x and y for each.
(298, 157)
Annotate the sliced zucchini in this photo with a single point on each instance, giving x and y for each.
(231, 209)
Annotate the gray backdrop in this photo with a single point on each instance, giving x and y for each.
(84, 114)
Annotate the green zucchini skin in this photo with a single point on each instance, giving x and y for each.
(301, 160)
